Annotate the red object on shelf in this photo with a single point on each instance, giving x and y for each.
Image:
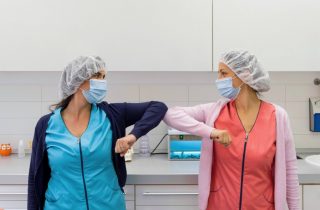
(5, 150)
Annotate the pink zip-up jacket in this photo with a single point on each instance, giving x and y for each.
(198, 120)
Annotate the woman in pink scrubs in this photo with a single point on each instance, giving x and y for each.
(251, 162)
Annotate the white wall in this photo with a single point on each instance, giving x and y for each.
(25, 96)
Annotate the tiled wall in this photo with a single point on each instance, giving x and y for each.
(25, 96)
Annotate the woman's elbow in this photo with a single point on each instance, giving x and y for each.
(169, 116)
(161, 106)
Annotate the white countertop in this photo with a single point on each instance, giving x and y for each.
(152, 170)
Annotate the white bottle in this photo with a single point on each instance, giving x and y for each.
(144, 147)
(21, 152)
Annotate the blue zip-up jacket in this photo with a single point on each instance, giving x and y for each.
(144, 116)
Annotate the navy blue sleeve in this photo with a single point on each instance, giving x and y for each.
(32, 202)
(144, 116)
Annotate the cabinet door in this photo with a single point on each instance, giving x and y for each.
(311, 195)
(129, 192)
(137, 35)
(13, 196)
(129, 205)
(13, 205)
(166, 195)
(281, 33)
(13, 192)
(301, 196)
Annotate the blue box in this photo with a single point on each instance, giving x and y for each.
(316, 124)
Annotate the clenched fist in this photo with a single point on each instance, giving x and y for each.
(124, 144)
(221, 136)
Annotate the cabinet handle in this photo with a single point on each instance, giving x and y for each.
(13, 193)
(170, 193)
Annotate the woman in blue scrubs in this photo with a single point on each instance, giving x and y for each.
(78, 150)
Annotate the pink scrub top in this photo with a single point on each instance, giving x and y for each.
(242, 174)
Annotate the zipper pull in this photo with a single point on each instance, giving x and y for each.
(247, 137)
(78, 140)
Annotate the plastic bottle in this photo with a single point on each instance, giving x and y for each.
(21, 151)
(144, 147)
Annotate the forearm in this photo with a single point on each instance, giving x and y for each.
(180, 119)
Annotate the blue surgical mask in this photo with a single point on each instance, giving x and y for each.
(97, 91)
(226, 89)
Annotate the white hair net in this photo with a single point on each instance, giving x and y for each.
(78, 71)
(247, 67)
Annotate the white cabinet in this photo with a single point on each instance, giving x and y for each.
(13, 196)
(158, 35)
(130, 197)
(137, 35)
(129, 205)
(155, 197)
(282, 33)
(166, 197)
(301, 196)
(311, 197)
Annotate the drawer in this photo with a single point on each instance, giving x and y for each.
(13, 193)
(311, 195)
(168, 195)
(129, 192)
(167, 208)
(129, 205)
(20, 192)
(13, 205)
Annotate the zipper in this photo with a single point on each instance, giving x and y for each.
(244, 154)
(242, 168)
(82, 171)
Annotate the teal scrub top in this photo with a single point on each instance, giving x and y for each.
(82, 172)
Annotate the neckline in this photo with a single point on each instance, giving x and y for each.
(257, 116)
(67, 129)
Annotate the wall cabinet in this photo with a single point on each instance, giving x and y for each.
(281, 33)
(138, 35)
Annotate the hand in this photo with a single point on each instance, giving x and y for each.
(221, 136)
(124, 144)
